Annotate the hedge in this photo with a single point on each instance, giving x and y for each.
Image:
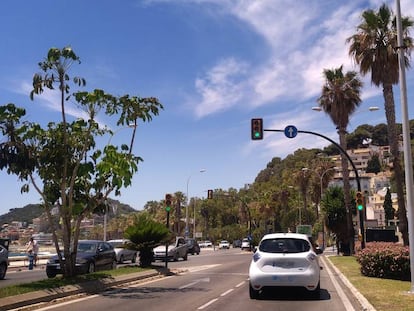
(385, 260)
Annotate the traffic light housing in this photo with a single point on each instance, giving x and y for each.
(359, 198)
(168, 202)
(257, 129)
(209, 194)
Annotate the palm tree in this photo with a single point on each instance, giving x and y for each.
(374, 49)
(339, 99)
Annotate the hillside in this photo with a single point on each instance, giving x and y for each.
(27, 213)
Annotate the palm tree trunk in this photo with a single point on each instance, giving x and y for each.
(347, 198)
(389, 107)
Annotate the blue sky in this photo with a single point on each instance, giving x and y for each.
(214, 64)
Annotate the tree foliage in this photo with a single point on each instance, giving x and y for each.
(62, 160)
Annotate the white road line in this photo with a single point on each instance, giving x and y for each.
(347, 304)
(240, 284)
(227, 292)
(207, 304)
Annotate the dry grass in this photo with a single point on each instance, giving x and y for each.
(383, 294)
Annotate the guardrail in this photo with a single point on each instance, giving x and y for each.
(23, 261)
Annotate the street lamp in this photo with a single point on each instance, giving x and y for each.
(372, 108)
(109, 141)
(323, 224)
(188, 202)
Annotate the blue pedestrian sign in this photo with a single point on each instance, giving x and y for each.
(291, 131)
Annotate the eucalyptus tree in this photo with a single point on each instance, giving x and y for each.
(339, 99)
(62, 161)
(374, 48)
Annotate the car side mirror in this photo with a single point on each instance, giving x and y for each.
(318, 250)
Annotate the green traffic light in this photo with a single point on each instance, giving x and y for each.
(168, 208)
(360, 207)
(256, 134)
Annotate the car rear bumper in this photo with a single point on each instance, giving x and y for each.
(308, 279)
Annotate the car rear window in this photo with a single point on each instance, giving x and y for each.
(284, 245)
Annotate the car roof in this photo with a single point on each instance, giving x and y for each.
(290, 235)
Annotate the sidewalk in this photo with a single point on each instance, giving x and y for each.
(91, 287)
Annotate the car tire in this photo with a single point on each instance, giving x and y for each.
(254, 294)
(121, 259)
(3, 269)
(50, 274)
(134, 258)
(91, 268)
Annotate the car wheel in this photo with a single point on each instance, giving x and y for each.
(91, 267)
(50, 274)
(121, 259)
(254, 294)
(134, 258)
(3, 269)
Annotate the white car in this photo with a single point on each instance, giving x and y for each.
(224, 244)
(245, 245)
(284, 260)
(122, 252)
(205, 244)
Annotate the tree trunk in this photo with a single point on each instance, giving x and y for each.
(347, 198)
(389, 107)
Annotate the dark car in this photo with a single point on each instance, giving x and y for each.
(193, 247)
(92, 255)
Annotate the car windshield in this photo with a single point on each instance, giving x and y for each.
(87, 247)
(284, 245)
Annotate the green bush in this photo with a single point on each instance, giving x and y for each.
(385, 260)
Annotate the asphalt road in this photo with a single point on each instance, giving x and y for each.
(214, 280)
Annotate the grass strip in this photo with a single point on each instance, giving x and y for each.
(383, 294)
(59, 281)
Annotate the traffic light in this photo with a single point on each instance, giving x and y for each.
(168, 202)
(257, 129)
(359, 198)
(209, 194)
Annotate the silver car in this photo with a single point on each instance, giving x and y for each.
(122, 252)
(284, 260)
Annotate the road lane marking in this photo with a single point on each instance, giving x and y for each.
(240, 284)
(227, 292)
(207, 304)
(347, 304)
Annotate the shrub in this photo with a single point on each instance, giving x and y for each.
(385, 260)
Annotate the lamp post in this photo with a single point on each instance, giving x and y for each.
(323, 224)
(106, 206)
(187, 232)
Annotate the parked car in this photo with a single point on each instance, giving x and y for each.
(237, 243)
(205, 244)
(122, 252)
(92, 255)
(245, 244)
(4, 257)
(224, 244)
(176, 250)
(193, 247)
(284, 259)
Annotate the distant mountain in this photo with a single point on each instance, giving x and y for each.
(22, 214)
(27, 213)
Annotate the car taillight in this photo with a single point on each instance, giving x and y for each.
(256, 257)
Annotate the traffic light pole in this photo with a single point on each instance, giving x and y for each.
(361, 215)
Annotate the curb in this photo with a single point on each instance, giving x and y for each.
(90, 287)
(366, 305)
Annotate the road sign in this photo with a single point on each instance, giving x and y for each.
(291, 131)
